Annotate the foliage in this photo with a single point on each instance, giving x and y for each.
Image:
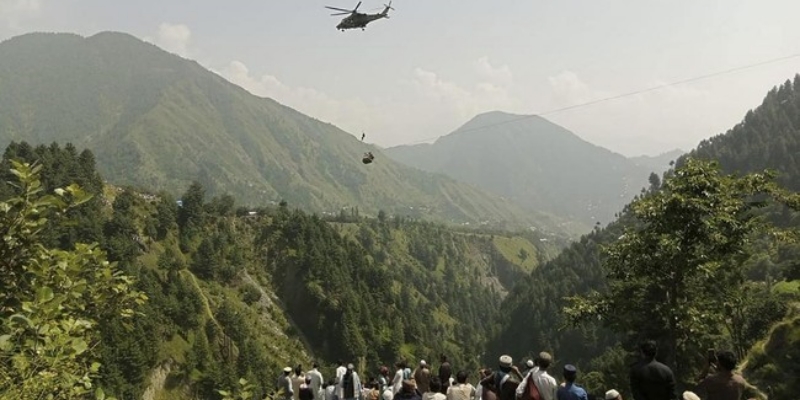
(50, 299)
(772, 365)
(766, 139)
(678, 274)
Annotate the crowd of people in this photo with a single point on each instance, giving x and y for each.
(649, 380)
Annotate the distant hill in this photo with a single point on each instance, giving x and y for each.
(535, 163)
(159, 121)
(660, 163)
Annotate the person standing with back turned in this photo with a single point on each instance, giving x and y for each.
(650, 379)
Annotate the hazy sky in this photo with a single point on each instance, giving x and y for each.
(435, 64)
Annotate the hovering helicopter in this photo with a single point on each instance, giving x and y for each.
(357, 19)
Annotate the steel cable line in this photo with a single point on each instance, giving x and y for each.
(619, 96)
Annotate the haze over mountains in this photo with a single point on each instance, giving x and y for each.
(159, 121)
(537, 164)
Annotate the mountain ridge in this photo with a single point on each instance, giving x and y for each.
(160, 121)
(534, 162)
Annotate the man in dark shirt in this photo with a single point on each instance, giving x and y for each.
(445, 372)
(650, 379)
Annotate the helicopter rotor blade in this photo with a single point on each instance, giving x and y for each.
(358, 5)
(342, 13)
(338, 9)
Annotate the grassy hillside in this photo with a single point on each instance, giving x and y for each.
(536, 164)
(158, 121)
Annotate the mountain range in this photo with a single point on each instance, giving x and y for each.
(158, 121)
(537, 164)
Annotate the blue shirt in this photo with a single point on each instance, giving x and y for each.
(571, 392)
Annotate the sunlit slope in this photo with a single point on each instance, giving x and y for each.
(159, 121)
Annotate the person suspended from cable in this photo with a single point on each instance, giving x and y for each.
(363, 135)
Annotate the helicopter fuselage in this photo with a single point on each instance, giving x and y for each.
(360, 20)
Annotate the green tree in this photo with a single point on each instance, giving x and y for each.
(675, 274)
(190, 214)
(52, 299)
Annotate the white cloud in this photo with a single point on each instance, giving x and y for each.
(458, 103)
(568, 89)
(174, 37)
(499, 75)
(650, 122)
(424, 106)
(14, 12)
(352, 115)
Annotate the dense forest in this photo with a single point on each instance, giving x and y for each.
(236, 292)
(746, 242)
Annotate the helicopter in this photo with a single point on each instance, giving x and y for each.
(357, 19)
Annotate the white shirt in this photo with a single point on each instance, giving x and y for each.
(316, 382)
(397, 382)
(388, 394)
(546, 384)
(433, 396)
(340, 373)
(461, 392)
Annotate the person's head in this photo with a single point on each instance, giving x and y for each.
(384, 370)
(435, 385)
(401, 364)
(461, 377)
(613, 395)
(298, 370)
(340, 362)
(287, 370)
(442, 358)
(689, 396)
(315, 365)
(350, 367)
(529, 364)
(570, 373)
(423, 364)
(727, 360)
(544, 360)
(408, 386)
(505, 363)
(649, 349)
(308, 379)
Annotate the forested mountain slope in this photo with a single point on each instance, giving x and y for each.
(241, 292)
(535, 163)
(159, 121)
(767, 138)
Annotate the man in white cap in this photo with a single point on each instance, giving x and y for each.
(529, 365)
(614, 395)
(350, 386)
(506, 379)
(285, 384)
(544, 383)
(422, 377)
